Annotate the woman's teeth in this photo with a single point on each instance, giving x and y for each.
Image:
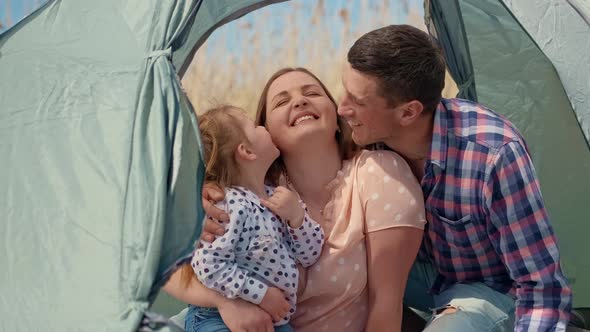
(303, 118)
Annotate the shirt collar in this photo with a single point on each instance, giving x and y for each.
(252, 197)
(438, 147)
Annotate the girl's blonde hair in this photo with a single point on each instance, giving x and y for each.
(346, 145)
(221, 134)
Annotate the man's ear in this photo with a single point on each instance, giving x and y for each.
(243, 152)
(410, 112)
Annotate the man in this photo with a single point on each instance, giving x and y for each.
(489, 259)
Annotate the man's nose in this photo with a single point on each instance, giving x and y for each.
(344, 110)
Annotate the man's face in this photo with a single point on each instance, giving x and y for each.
(371, 118)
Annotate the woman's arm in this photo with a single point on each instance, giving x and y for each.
(394, 222)
(194, 293)
(390, 255)
(238, 315)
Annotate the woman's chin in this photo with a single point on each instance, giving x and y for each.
(308, 128)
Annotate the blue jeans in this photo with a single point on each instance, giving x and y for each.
(479, 307)
(201, 319)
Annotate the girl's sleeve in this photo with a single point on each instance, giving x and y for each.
(390, 194)
(215, 263)
(306, 241)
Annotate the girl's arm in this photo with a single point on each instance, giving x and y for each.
(306, 241)
(215, 263)
(306, 236)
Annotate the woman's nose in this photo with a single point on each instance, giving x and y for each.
(299, 102)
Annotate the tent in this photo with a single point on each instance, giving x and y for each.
(102, 166)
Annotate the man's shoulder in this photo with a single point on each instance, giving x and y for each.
(470, 121)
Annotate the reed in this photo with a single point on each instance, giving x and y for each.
(233, 70)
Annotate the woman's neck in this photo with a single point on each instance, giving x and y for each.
(311, 168)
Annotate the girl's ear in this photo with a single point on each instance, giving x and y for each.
(243, 152)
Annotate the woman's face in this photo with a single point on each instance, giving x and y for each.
(298, 109)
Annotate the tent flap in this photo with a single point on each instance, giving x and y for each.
(444, 21)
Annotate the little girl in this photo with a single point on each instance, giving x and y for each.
(268, 232)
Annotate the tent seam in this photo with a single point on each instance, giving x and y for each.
(467, 48)
(233, 16)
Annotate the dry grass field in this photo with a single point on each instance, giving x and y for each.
(230, 69)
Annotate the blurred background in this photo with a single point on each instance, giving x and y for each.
(237, 59)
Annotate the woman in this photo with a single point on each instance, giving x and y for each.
(368, 203)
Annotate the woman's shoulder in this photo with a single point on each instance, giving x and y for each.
(385, 160)
(387, 154)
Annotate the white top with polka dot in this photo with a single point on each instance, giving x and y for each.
(258, 250)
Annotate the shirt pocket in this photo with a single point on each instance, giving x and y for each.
(459, 231)
(455, 221)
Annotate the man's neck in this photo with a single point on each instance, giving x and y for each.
(414, 144)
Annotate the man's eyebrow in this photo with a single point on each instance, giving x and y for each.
(356, 98)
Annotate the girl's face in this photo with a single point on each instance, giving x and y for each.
(258, 137)
(297, 108)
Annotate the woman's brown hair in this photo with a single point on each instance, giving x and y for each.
(346, 146)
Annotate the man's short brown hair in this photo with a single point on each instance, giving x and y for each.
(407, 63)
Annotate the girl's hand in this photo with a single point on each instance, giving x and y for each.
(241, 316)
(275, 304)
(285, 203)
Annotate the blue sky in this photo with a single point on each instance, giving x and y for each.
(11, 11)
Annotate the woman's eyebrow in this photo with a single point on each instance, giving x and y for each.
(309, 86)
(280, 94)
(303, 88)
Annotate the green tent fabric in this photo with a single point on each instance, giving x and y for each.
(450, 32)
(102, 163)
(557, 30)
(102, 160)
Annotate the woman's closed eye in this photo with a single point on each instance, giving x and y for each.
(280, 103)
(311, 91)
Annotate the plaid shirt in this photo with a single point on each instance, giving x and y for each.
(486, 217)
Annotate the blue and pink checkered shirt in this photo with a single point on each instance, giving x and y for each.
(486, 217)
